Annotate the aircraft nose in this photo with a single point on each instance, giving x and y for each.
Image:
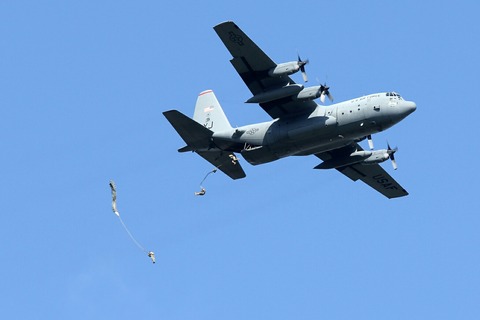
(410, 106)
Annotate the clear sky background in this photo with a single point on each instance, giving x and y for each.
(83, 85)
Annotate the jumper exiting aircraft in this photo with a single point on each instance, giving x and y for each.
(300, 127)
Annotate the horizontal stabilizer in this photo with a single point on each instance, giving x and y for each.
(225, 161)
(186, 149)
(198, 139)
(196, 136)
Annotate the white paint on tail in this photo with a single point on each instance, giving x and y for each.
(209, 113)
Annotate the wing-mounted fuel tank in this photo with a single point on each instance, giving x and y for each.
(275, 94)
(297, 92)
(354, 157)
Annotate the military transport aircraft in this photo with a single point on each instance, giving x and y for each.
(299, 127)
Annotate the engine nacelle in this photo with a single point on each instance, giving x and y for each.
(309, 93)
(354, 157)
(376, 157)
(284, 69)
(363, 154)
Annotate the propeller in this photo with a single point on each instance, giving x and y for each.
(302, 64)
(391, 155)
(325, 92)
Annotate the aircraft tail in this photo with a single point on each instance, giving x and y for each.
(194, 134)
(209, 113)
(198, 139)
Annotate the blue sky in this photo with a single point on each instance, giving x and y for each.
(84, 85)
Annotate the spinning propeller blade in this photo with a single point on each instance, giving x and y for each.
(391, 155)
(325, 92)
(302, 64)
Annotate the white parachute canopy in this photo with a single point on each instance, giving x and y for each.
(114, 197)
(113, 187)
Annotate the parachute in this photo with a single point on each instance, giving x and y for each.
(114, 198)
(113, 188)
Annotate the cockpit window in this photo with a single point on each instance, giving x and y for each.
(394, 94)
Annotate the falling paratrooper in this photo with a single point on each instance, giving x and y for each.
(113, 188)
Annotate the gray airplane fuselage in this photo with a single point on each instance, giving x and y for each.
(325, 129)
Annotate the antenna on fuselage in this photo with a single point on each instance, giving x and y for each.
(370, 142)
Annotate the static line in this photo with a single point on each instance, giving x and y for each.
(206, 176)
(202, 189)
(131, 236)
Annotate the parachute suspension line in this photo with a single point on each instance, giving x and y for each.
(206, 176)
(202, 189)
(131, 236)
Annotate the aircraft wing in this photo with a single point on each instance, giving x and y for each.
(225, 162)
(373, 175)
(252, 64)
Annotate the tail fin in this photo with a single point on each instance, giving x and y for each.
(209, 113)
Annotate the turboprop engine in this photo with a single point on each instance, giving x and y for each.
(284, 69)
(288, 68)
(309, 93)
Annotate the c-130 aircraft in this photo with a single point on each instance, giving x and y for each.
(300, 126)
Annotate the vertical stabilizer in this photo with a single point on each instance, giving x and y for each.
(209, 113)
